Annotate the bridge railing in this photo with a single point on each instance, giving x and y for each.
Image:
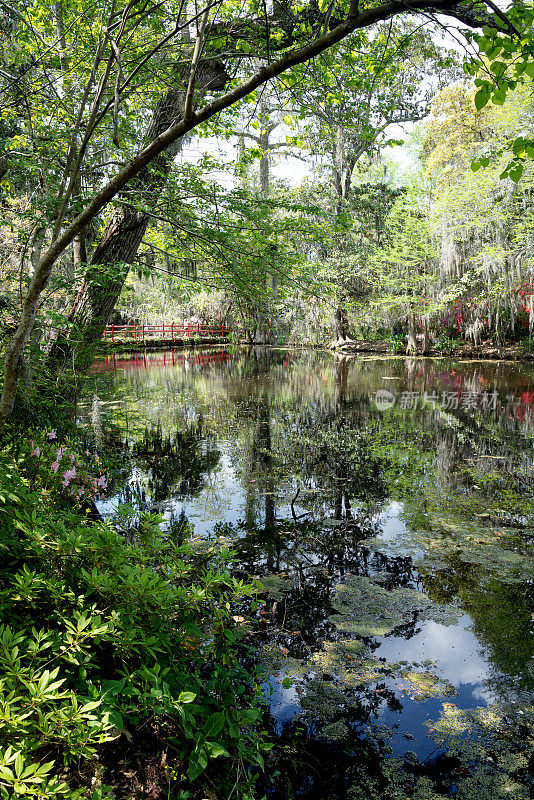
(164, 330)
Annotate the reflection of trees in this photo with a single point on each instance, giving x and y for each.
(501, 615)
(175, 465)
(313, 420)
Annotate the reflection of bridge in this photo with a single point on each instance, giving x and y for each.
(165, 331)
(166, 359)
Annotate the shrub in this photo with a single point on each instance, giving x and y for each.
(102, 635)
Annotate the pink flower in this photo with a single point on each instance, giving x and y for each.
(72, 458)
(36, 452)
(59, 454)
(52, 434)
(68, 475)
(54, 467)
(102, 482)
(81, 493)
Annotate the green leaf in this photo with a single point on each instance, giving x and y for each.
(516, 173)
(214, 724)
(286, 683)
(197, 764)
(112, 688)
(215, 749)
(116, 719)
(186, 697)
(481, 99)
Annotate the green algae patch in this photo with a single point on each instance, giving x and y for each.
(364, 608)
(427, 684)
(509, 566)
(273, 661)
(335, 732)
(489, 752)
(209, 546)
(500, 553)
(276, 585)
(323, 701)
(349, 661)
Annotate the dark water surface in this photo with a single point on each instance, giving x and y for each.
(388, 507)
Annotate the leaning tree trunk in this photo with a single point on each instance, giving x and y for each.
(110, 263)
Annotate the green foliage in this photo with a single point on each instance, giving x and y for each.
(506, 63)
(444, 344)
(101, 635)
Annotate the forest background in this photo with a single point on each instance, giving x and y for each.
(98, 105)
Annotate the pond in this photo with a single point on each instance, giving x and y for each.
(387, 506)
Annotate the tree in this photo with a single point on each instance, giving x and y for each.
(357, 90)
(405, 262)
(138, 50)
(481, 219)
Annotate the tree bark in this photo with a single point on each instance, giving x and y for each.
(411, 347)
(341, 322)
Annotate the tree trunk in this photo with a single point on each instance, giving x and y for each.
(341, 322)
(110, 264)
(411, 348)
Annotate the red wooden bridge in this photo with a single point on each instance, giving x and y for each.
(170, 331)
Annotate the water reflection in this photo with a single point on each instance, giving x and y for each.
(394, 541)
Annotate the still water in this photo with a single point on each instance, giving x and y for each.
(387, 506)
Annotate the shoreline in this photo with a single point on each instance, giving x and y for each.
(484, 352)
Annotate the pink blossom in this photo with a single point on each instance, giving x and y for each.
(72, 458)
(68, 475)
(36, 452)
(54, 467)
(102, 482)
(59, 454)
(52, 434)
(81, 493)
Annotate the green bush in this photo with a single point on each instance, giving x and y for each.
(444, 344)
(101, 634)
(397, 343)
